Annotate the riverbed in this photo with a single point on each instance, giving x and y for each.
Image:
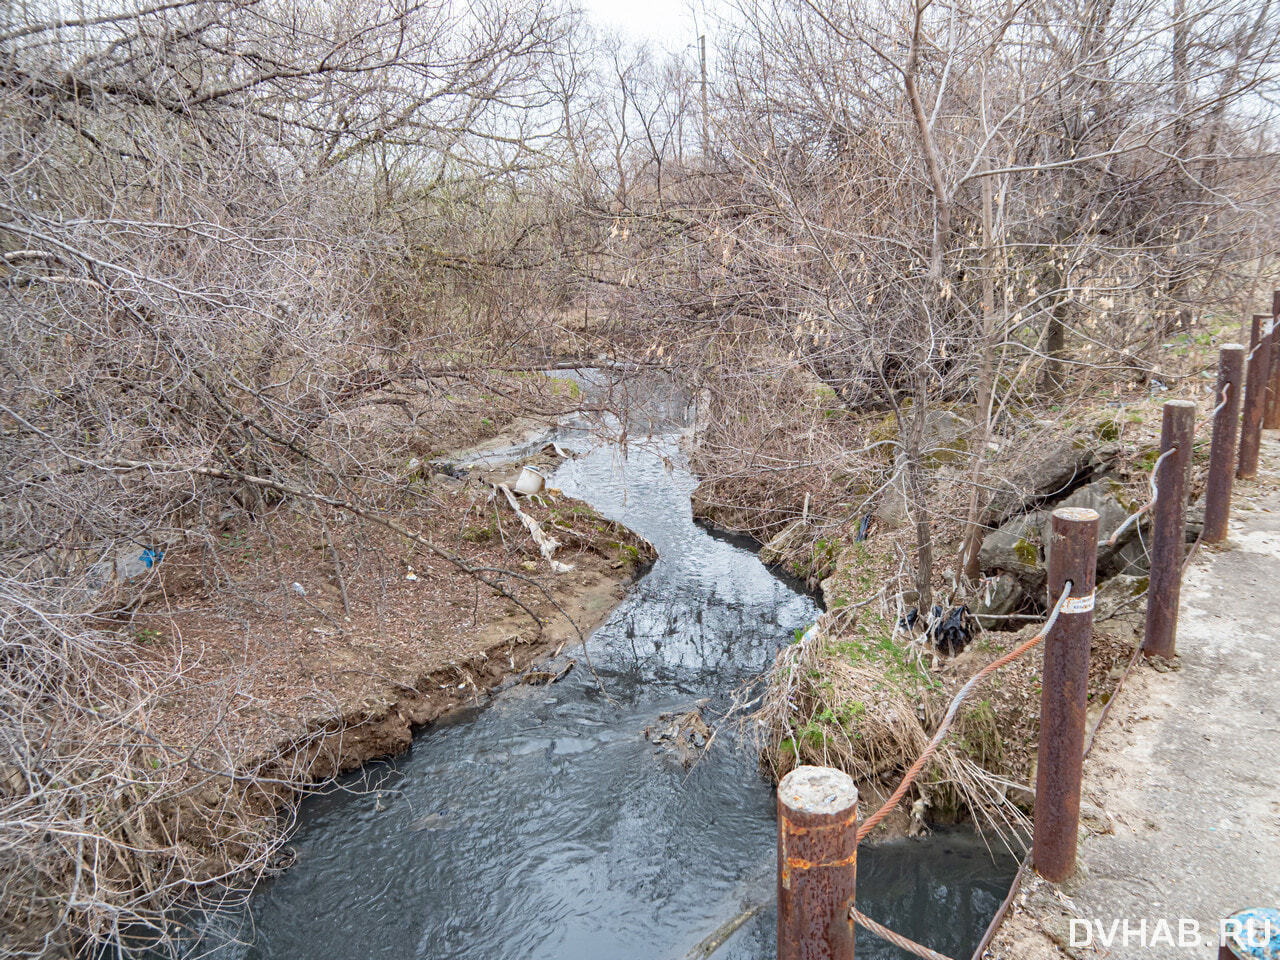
(544, 824)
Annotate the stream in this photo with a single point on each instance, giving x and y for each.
(543, 824)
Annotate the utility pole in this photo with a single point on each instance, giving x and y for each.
(702, 58)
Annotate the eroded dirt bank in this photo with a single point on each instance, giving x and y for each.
(333, 652)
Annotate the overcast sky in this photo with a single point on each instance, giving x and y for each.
(669, 24)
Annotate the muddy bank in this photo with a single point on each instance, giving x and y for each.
(507, 650)
(330, 652)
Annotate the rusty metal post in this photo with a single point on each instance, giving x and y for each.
(817, 864)
(1271, 416)
(1255, 395)
(1169, 529)
(1222, 453)
(1064, 692)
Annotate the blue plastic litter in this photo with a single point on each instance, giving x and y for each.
(1255, 933)
(129, 567)
(863, 527)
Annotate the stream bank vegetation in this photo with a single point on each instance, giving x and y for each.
(267, 263)
(971, 250)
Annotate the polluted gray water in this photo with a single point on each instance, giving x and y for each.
(545, 825)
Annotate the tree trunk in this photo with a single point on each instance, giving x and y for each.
(918, 501)
(986, 389)
(1055, 348)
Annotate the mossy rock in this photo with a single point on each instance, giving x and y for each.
(945, 438)
(1027, 552)
(1107, 429)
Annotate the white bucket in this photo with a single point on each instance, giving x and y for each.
(530, 481)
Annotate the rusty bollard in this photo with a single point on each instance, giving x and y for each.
(1064, 691)
(1222, 453)
(817, 864)
(1169, 529)
(1271, 416)
(1255, 395)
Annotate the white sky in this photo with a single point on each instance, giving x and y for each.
(667, 24)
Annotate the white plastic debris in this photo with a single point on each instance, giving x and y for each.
(547, 544)
(530, 481)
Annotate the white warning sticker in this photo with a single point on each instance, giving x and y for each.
(1078, 604)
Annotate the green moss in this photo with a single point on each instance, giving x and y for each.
(952, 452)
(1108, 429)
(1121, 493)
(885, 433)
(1027, 552)
(479, 534)
(563, 386)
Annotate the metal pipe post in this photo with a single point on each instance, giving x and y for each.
(1222, 453)
(817, 864)
(1064, 692)
(1255, 395)
(1169, 529)
(1271, 417)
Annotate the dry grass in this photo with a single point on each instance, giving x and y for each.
(863, 695)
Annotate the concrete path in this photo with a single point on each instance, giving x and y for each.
(1187, 770)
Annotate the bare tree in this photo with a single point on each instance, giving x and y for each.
(222, 224)
(844, 231)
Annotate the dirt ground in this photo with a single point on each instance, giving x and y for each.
(338, 634)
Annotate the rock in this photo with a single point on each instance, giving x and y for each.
(1066, 466)
(1099, 496)
(1195, 521)
(1015, 549)
(1117, 593)
(1021, 546)
(1130, 560)
(891, 510)
(1002, 596)
(945, 438)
